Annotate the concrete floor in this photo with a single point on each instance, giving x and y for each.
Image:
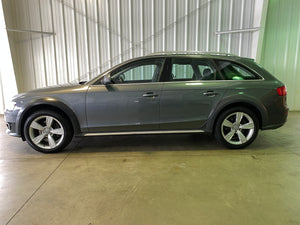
(155, 180)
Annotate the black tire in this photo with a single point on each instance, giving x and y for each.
(47, 131)
(236, 127)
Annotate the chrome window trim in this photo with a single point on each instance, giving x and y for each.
(156, 82)
(204, 81)
(174, 82)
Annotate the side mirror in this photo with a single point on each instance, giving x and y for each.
(106, 80)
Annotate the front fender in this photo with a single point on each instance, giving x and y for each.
(46, 103)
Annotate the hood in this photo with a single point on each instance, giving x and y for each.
(53, 90)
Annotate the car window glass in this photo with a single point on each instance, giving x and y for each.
(233, 71)
(187, 69)
(141, 72)
(182, 71)
(206, 71)
(202, 67)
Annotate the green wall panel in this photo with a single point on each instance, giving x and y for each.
(280, 54)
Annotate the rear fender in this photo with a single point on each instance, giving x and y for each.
(229, 102)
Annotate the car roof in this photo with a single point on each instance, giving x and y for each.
(215, 55)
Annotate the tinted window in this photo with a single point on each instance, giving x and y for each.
(137, 72)
(233, 71)
(187, 69)
(182, 71)
(206, 71)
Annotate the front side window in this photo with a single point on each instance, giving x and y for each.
(189, 69)
(233, 71)
(137, 72)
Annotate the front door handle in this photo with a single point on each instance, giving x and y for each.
(210, 93)
(150, 95)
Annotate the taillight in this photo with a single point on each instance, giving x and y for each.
(282, 91)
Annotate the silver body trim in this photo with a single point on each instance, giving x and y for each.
(144, 132)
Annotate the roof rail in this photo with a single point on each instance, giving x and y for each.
(192, 53)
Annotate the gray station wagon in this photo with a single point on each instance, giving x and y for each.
(229, 96)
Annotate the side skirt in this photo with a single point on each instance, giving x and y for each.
(144, 132)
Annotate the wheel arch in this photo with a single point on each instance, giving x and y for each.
(48, 104)
(259, 111)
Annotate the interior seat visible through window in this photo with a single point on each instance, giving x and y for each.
(207, 74)
(189, 69)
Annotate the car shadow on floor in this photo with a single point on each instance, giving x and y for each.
(144, 143)
(165, 142)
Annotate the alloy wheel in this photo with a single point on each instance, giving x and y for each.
(237, 128)
(46, 132)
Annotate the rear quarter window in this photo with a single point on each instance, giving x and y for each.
(234, 71)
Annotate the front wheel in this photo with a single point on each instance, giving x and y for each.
(47, 131)
(236, 127)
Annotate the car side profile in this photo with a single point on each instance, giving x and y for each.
(229, 96)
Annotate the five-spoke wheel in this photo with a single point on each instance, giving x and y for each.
(236, 127)
(47, 131)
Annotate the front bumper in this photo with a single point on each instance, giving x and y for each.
(10, 119)
(11, 130)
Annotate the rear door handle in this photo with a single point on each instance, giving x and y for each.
(210, 93)
(150, 95)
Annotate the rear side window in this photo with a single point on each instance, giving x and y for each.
(182, 71)
(233, 71)
(189, 69)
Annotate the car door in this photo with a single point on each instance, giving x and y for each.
(189, 93)
(130, 102)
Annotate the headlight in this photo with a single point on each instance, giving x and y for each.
(10, 106)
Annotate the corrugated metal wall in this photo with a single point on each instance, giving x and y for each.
(82, 38)
(281, 46)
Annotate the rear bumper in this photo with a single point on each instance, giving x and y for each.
(273, 126)
(280, 121)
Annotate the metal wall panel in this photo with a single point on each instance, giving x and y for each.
(8, 87)
(78, 39)
(59, 43)
(281, 46)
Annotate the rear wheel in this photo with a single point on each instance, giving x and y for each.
(236, 127)
(47, 131)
